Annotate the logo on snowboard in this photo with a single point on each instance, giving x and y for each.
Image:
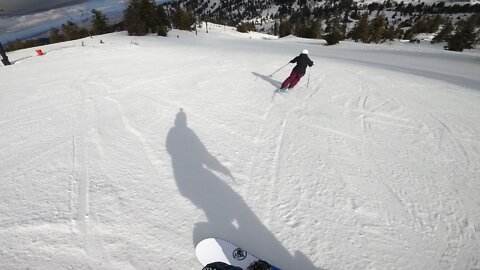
(239, 254)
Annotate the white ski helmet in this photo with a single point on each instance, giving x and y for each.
(305, 51)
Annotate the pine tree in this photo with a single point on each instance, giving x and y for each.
(471, 31)
(181, 19)
(275, 28)
(378, 28)
(316, 29)
(410, 33)
(99, 23)
(334, 29)
(435, 24)
(444, 34)
(140, 17)
(72, 31)
(285, 29)
(300, 29)
(457, 42)
(245, 27)
(55, 35)
(361, 30)
(389, 33)
(163, 22)
(465, 36)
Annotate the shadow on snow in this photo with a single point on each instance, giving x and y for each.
(228, 216)
(269, 79)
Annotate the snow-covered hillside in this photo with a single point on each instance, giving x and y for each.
(124, 155)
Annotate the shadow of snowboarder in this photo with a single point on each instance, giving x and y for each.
(228, 216)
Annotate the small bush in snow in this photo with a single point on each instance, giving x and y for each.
(245, 27)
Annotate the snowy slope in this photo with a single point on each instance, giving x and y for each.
(124, 155)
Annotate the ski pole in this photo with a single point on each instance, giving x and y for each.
(308, 81)
(278, 70)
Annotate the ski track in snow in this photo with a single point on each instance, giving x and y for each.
(83, 217)
(361, 169)
(276, 166)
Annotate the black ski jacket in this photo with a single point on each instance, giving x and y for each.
(302, 62)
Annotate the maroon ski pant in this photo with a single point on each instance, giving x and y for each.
(292, 80)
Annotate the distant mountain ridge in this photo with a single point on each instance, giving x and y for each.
(247, 9)
(269, 14)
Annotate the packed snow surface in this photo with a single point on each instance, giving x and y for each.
(125, 154)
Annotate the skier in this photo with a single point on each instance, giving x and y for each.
(256, 265)
(298, 71)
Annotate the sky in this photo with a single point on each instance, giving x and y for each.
(23, 18)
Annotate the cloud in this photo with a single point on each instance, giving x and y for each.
(24, 22)
(23, 7)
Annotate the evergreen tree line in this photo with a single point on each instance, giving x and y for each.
(307, 21)
(146, 17)
(143, 17)
(19, 44)
(238, 10)
(72, 31)
(465, 36)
